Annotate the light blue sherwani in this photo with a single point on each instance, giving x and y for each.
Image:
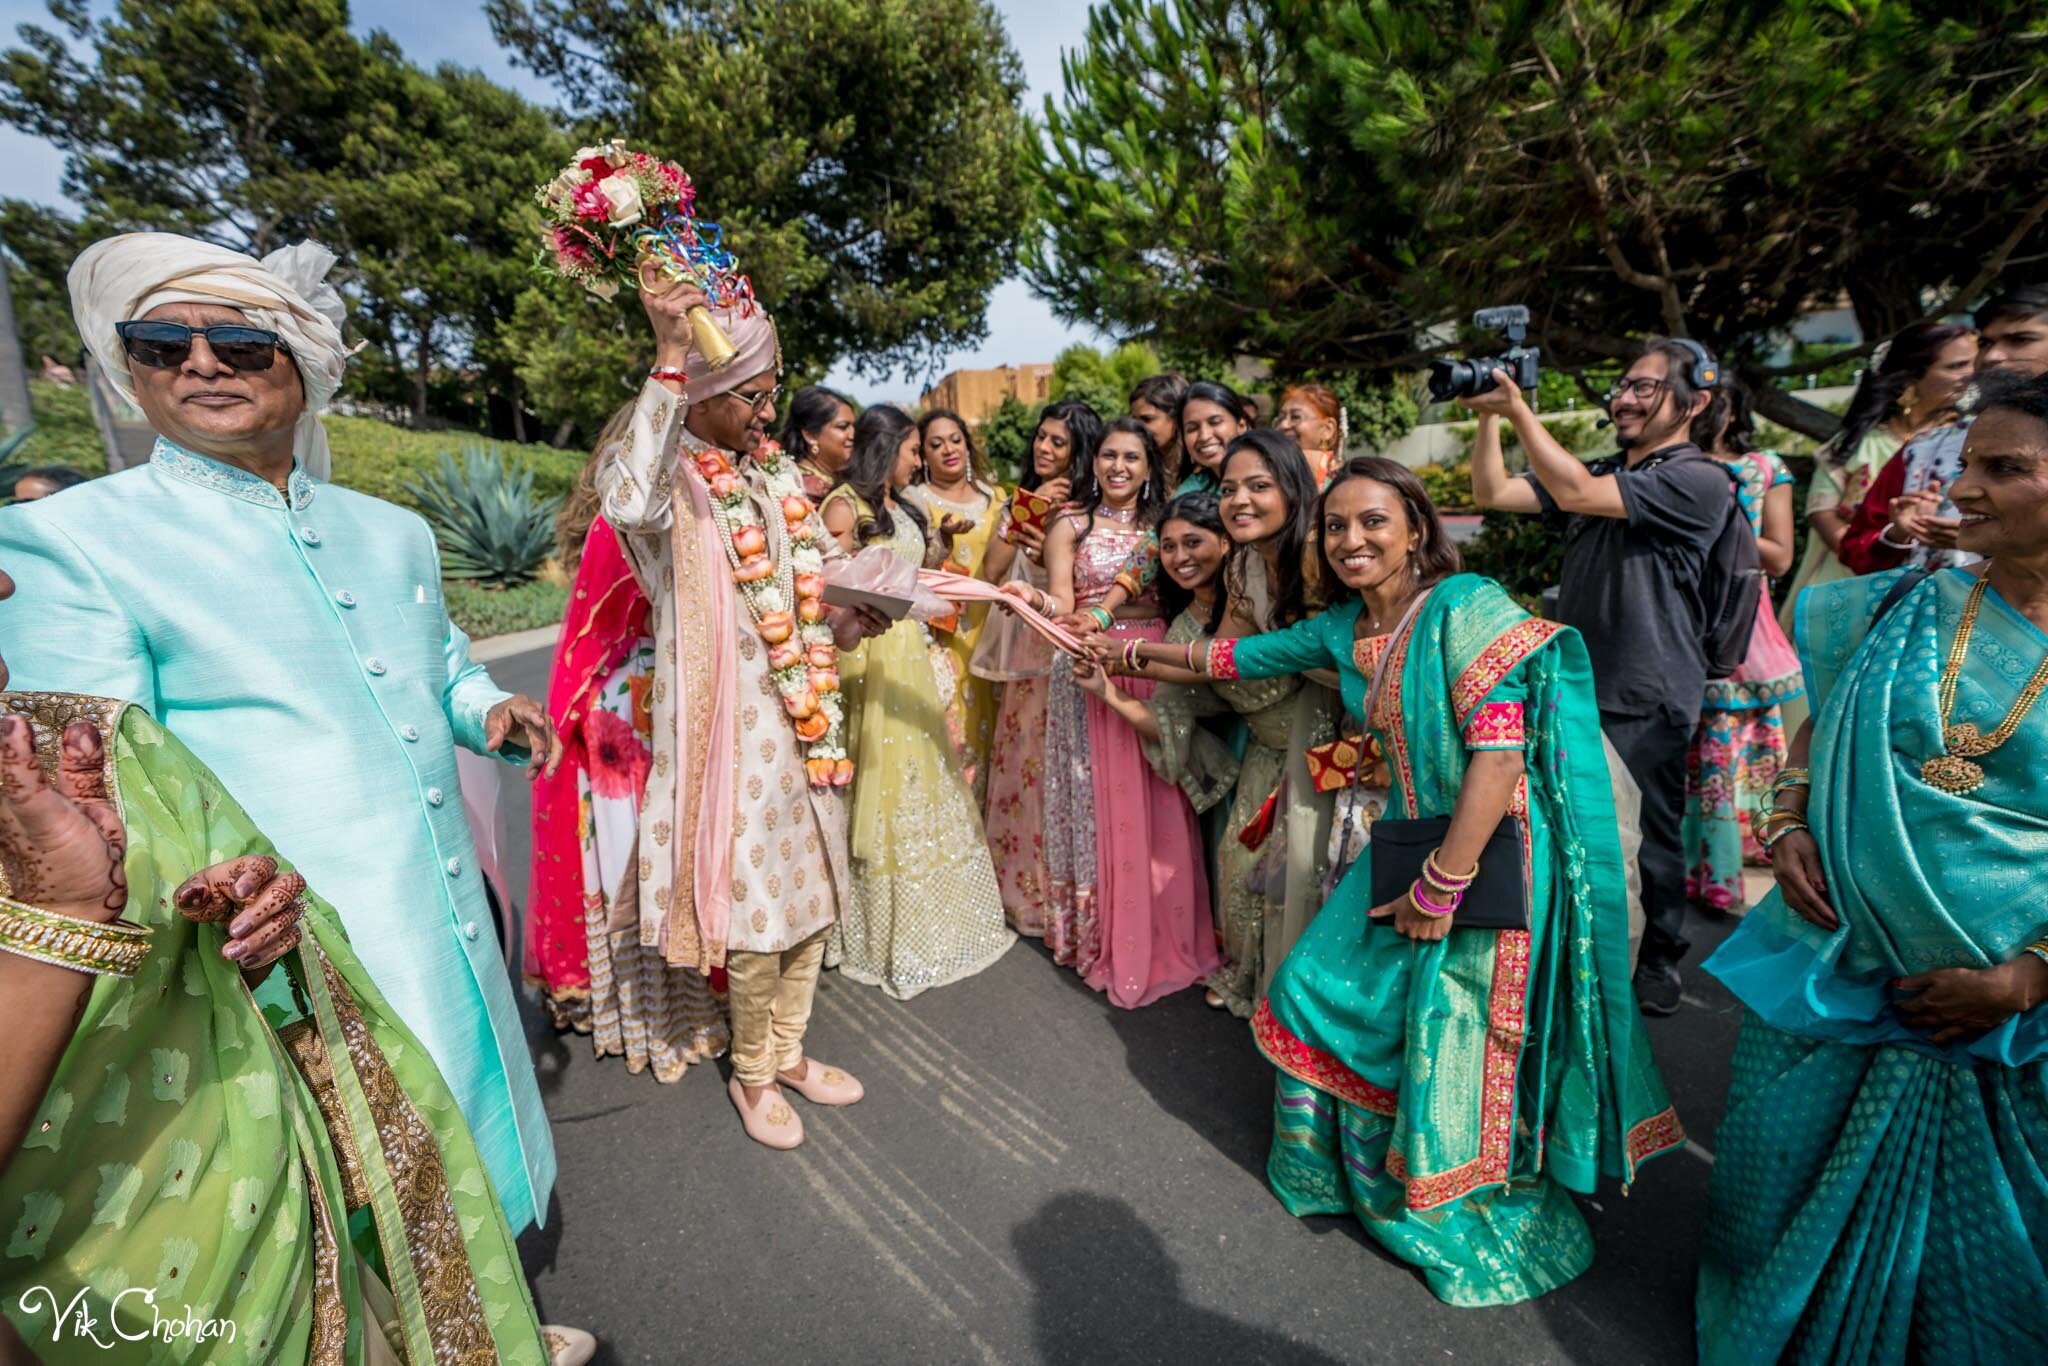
(303, 652)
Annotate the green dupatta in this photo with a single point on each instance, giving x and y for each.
(182, 1171)
(1467, 1041)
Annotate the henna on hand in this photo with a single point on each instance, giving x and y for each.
(62, 843)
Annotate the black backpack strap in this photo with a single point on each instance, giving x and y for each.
(1905, 584)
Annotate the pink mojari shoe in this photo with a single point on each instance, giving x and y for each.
(823, 1085)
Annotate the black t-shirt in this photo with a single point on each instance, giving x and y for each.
(1632, 584)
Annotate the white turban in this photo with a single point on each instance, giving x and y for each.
(123, 278)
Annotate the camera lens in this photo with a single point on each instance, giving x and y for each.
(1449, 379)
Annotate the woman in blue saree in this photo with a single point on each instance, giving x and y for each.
(1879, 1194)
(1447, 1086)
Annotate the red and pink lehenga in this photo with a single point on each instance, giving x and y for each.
(1127, 903)
(582, 937)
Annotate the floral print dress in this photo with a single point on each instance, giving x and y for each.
(1740, 744)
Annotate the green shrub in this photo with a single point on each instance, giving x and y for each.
(65, 433)
(485, 611)
(1448, 486)
(383, 461)
(1520, 551)
(486, 517)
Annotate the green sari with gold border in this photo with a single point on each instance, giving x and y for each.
(196, 1163)
(1450, 1095)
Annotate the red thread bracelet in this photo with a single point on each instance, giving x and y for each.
(668, 372)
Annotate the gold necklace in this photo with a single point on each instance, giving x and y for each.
(1952, 770)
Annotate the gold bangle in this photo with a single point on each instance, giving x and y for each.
(1433, 873)
(2039, 948)
(106, 948)
(1768, 838)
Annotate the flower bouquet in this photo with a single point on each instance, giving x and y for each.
(618, 217)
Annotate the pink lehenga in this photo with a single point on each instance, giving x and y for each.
(1127, 903)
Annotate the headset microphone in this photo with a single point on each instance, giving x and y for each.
(1603, 424)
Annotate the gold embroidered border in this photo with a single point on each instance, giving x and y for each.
(693, 692)
(449, 1299)
(1506, 1022)
(327, 1345)
(1495, 725)
(1659, 1133)
(1391, 720)
(1308, 1063)
(1497, 661)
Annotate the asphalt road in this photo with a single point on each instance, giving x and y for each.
(1036, 1176)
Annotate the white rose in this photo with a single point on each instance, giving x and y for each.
(624, 193)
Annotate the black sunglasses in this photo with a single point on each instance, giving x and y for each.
(164, 346)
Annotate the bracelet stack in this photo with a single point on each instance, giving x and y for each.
(1774, 822)
(2039, 948)
(110, 949)
(1102, 616)
(1437, 893)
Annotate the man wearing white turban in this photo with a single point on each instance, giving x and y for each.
(286, 292)
(742, 838)
(292, 634)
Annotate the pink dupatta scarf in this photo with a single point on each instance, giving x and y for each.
(692, 927)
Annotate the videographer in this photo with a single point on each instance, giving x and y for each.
(1640, 525)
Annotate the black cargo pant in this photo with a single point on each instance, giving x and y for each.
(1653, 748)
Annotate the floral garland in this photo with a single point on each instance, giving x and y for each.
(787, 600)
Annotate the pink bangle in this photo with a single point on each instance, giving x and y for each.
(1428, 907)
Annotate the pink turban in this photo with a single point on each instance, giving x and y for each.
(759, 352)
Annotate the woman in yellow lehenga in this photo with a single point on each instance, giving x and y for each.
(957, 487)
(922, 909)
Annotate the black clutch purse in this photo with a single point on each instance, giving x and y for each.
(1498, 898)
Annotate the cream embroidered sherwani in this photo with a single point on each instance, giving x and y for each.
(789, 844)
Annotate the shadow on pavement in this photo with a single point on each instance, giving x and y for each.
(1106, 1290)
(1196, 1063)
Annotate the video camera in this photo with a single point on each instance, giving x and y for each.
(1449, 379)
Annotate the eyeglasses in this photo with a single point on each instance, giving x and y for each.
(165, 346)
(767, 398)
(1642, 388)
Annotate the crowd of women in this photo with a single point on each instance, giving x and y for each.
(1287, 679)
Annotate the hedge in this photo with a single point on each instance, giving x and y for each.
(65, 433)
(379, 459)
(499, 611)
(369, 456)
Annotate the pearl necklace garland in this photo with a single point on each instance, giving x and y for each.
(780, 574)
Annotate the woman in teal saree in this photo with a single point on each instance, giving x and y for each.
(1449, 1087)
(1879, 1194)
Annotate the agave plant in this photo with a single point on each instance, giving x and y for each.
(490, 525)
